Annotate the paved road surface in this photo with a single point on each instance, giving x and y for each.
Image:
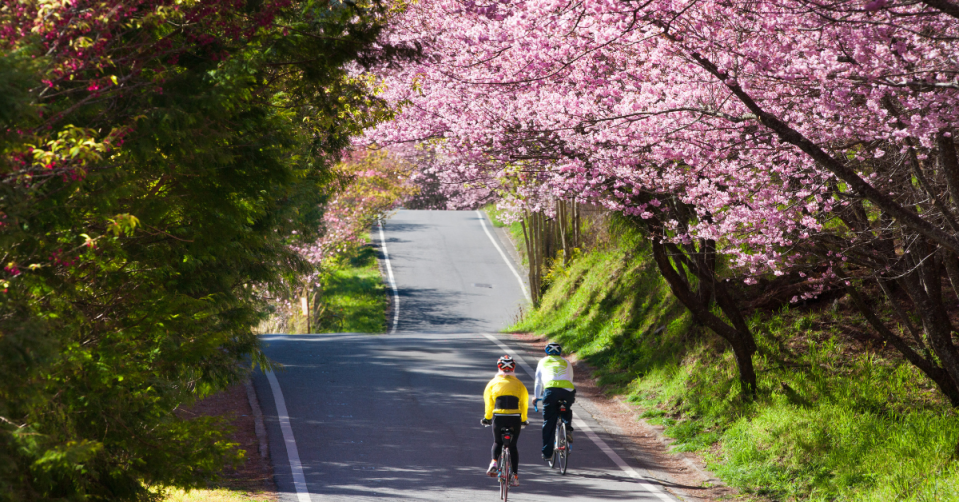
(396, 417)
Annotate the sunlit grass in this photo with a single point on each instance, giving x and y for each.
(515, 228)
(354, 296)
(215, 495)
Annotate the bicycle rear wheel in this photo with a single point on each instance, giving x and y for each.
(554, 460)
(506, 472)
(563, 447)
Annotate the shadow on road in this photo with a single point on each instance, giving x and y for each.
(398, 418)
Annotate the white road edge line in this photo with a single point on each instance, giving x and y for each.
(299, 479)
(389, 271)
(582, 425)
(509, 263)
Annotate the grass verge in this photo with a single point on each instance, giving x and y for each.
(836, 419)
(250, 479)
(354, 296)
(215, 495)
(515, 228)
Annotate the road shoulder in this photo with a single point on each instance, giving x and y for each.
(682, 474)
(252, 479)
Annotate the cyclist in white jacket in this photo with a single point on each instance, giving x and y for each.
(554, 383)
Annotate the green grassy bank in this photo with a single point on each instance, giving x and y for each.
(216, 495)
(354, 296)
(836, 419)
(352, 299)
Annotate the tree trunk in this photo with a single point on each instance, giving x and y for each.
(577, 238)
(561, 213)
(741, 342)
(935, 321)
(929, 368)
(950, 165)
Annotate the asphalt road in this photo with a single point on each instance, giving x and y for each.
(396, 417)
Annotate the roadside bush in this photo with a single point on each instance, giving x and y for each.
(158, 160)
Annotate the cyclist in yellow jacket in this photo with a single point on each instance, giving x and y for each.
(507, 402)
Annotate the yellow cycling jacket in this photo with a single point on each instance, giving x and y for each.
(506, 395)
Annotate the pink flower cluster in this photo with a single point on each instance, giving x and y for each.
(751, 112)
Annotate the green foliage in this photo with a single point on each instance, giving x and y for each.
(129, 287)
(833, 420)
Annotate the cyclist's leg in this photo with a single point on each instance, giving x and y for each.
(515, 424)
(550, 414)
(570, 397)
(497, 438)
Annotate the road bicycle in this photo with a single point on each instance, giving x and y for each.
(504, 467)
(561, 446)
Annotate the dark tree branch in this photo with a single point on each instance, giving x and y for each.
(943, 6)
(934, 372)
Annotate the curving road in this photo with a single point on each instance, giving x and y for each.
(396, 417)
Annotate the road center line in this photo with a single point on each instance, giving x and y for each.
(509, 263)
(299, 480)
(389, 272)
(582, 425)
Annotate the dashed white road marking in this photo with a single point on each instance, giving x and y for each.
(583, 426)
(299, 479)
(509, 263)
(389, 272)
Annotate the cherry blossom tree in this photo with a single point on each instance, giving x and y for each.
(366, 186)
(803, 139)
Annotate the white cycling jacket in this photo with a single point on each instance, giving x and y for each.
(553, 371)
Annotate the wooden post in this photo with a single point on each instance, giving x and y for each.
(541, 251)
(305, 303)
(577, 238)
(538, 241)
